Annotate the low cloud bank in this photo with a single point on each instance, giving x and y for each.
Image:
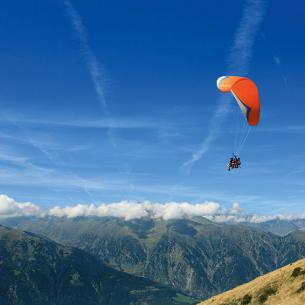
(11, 208)
(135, 210)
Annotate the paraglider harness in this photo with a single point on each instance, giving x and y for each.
(234, 163)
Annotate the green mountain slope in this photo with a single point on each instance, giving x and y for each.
(194, 255)
(35, 271)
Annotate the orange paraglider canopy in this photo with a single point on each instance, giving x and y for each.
(246, 94)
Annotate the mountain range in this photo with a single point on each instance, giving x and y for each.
(280, 227)
(35, 270)
(195, 256)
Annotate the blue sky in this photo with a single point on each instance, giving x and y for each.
(104, 101)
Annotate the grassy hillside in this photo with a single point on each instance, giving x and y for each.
(285, 286)
(35, 271)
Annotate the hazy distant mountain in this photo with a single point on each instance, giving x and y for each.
(279, 227)
(285, 286)
(196, 256)
(36, 271)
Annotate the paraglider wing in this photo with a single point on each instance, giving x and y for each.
(246, 95)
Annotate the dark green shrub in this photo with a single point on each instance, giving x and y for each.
(297, 272)
(263, 298)
(246, 299)
(266, 293)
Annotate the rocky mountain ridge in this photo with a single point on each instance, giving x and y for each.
(36, 270)
(195, 256)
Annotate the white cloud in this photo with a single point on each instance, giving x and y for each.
(129, 210)
(169, 210)
(134, 210)
(124, 209)
(11, 208)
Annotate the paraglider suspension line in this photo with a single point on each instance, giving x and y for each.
(242, 143)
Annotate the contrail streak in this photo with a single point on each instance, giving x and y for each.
(92, 62)
(238, 63)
